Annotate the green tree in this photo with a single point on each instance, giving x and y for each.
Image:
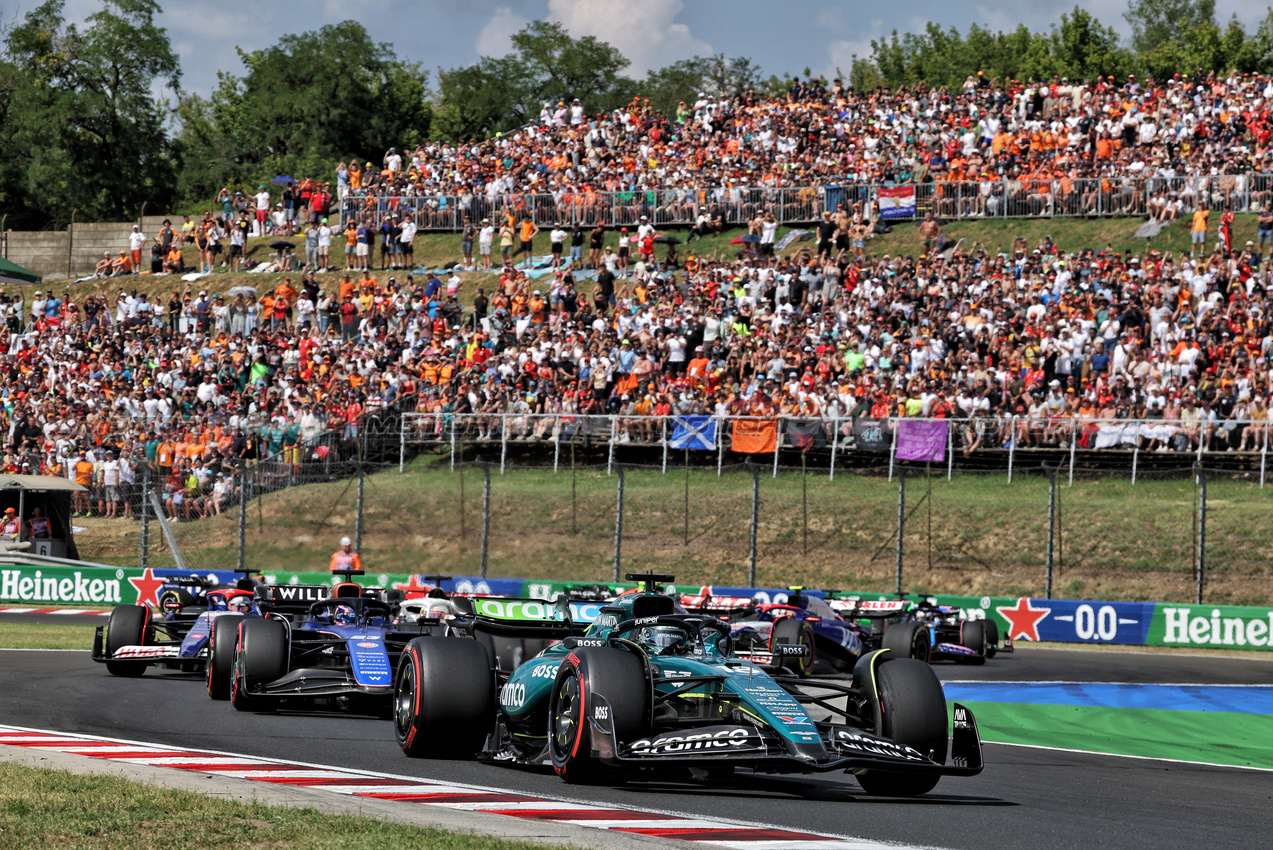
(82, 116)
(546, 65)
(305, 103)
(1156, 22)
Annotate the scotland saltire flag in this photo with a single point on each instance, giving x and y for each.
(694, 432)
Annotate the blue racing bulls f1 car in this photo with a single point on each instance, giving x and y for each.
(175, 637)
(338, 643)
(650, 687)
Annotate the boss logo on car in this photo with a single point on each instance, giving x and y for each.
(733, 739)
(513, 695)
(871, 745)
(590, 642)
(601, 712)
(545, 671)
(792, 649)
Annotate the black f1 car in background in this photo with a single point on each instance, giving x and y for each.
(648, 686)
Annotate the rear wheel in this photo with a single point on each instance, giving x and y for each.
(972, 634)
(913, 713)
(619, 677)
(992, 638)
(444, 697)
(129, 625)
(908, 640)
(789, 630)
(222, 638)
(261, 657)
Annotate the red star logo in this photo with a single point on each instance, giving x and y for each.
(413, 585)
(1023, 620)
(147, 588)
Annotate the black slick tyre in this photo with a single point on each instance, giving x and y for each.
(222, 638)
(260, 657)
(992, 638)
(789, 630)
(913, 713)
(129, 625)
(443, 698)
(619, 677)
(908, 640)
(972, 634)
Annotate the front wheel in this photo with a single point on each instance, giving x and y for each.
(908, 640)
(616, 675)
(789, 630)
(972, 634)
(222, 638)
(913, 713)
(261, 657)
(129, 625)
(443, 698)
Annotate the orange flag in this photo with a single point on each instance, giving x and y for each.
(754, 436)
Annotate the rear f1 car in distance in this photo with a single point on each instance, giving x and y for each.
(175, 637)
(648, 687)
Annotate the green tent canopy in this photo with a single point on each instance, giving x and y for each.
(11, 272)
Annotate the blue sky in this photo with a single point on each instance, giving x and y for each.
(782, 37)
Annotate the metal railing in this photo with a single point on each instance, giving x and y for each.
(832, 439)
(1030, 197)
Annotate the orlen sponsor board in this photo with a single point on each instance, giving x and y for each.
(1211, 626)
(62, 584)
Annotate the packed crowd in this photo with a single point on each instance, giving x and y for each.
(1114, 146)
(185, 389)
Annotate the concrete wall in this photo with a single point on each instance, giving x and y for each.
(46, 251)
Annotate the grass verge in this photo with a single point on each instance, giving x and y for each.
(47, 636)
(55, 809)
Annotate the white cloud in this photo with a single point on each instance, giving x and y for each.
(645, 31)
(840, 52)
(495, 40)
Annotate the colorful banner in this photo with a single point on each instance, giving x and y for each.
(694, 432)
(754, 436)
(804, 434)
(921, 440)
(872, 435)
(1211, 626)
(897, 203)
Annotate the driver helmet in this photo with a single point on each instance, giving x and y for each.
(238, 604)
(344, 615)
(660, 639)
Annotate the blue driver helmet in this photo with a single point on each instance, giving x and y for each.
(344, 615)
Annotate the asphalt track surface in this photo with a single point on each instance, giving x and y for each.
(1026, 797)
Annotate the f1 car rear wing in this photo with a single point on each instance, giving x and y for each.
(870, 609)
(291, 598)
(705, 602)
(495, 614)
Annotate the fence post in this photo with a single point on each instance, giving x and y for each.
(362, 477)
(950, 449)
(486, 513)
(892, 454)
(503, 440)
(614, 436)
(145, 516)
(402, 443)
(452, 445)
(835, 442)
(1135, 460)
(1201, 555)
(556, 443)
(1047, 579)
(618, 525)
(663, 422)
(755, 520)
(243, 514)
(901, 524)
(1074, 442)
(721, 444)
(804, 499)
(1264, 453)
(777, 444)
(1012, 445)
